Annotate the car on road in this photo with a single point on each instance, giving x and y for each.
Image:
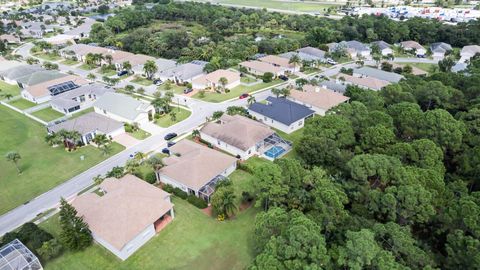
(170, 144)
(244, 95)
(283, 78)
(331, 62)
(121, 73)
(157, 82)
(170, 136)
(166, 151)
(187, 90)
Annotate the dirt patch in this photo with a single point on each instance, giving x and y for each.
(245, 205)
(208, 211)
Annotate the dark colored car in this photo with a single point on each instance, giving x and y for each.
(170, 136)
(170, 144)
(121, 73)
(157, 82)
(244, 95)
(283, 78)
(166, 151)
(187, 90)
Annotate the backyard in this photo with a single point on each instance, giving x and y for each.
(26, 137)
(165, 120)
(22, 104)
(47, 114)
(235, 92)
(9, 89)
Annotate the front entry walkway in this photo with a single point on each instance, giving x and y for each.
(126, 140)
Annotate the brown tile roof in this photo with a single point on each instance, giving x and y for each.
(196, 165)
(215, 76)
(128, 207)
(277, 60)
(318, 97)
(238, 131)
(410, 44)
(41, 89)
(261, 66)
(369, 82)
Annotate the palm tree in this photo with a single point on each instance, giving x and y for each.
(101, 140)
(106, 149)
(97, 180)
(228, 202)
(277, 92)
(8, 96)
(295, 60)
(14, 157)
(109, 59)
(155, 162)
(251, 100)
(127, 66)
(53, 139)
(223, 82)
(150, 68)
(139, 156)
(196, 133)
(173, 116)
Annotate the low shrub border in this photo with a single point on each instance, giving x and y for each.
(194, 200)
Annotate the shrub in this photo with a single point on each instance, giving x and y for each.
(180, 193)
(244, 167)
(30, 234)
(50, 249)
(167, 188)
(198, 202)
(151, 178)
(267, 77)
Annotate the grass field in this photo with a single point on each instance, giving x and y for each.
(11, 89)
(140, 134)
(47, 114)
(423, 66)
(165, 120)
(22, 104)
(69, 62)
(87, 67)
(48, 56)
(43, 167)
(235, 92)
(175, 88)
(276, 4)
(142, 81)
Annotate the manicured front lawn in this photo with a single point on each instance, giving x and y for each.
(43, 167)
(108, 72)
(235, 92)
(247, 79)
(191, 241)
(48, 56)
(11, 89)
(174, 88)
(140, 134)
(47, 114)
(69, 62)
(87, 67)
(423, 66)
(22, 104)
(142, 81)
(166, 121)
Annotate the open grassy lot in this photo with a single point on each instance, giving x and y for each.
(276, 4)
(47, 114)
(191, 241)
(11, 89)
(22, 104)
(140, 134)
(235, 92)
(43, 167)
(166, 121)
(142, 81)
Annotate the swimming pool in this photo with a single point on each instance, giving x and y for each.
(275, 151)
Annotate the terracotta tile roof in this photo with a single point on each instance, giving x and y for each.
(277, 60)
(215, 76)
(318, 97)
(261, 66)
(371, 83)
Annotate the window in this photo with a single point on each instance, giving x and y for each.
(105, 111)
(218, 142)
(300, 123)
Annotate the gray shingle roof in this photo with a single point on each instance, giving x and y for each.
(20, 71)
(65, 100)
(379, 74)
(357, 45)
(381, 44)
(121, 105)
(40, 77)
(281, 110)
(183, 72)
(312, 51)
(336, 87)
(440, 47)
(87, 123)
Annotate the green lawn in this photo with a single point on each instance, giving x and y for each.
(423, 66)
(87, 67)
(235, 92)
(175, 88)
(191, 241)
(11, 89)
(108, 72)
(142, 81)
(69, 62)
(247, 79)
(277, 4)
(139, 134)
(48, 56)
(22, 104)
(166, 121)
(47, 114)
(43, 167)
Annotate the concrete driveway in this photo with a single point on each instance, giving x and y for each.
(126, 140)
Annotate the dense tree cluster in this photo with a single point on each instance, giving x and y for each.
(225, 36)
(389, 180)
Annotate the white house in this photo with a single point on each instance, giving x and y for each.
(384, 47)
(212, 80)
(468, 52)
(281, 113)
(413, 46)
(439, 49)
(124, 108)
(317, 98)
(43, 92)
(259, 68)
(128, 214)
(195, 169)
(79, 98)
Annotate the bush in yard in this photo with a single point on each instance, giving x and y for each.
(167, 188)
(267, 77)
(151, 178)
(180, 193)
(223, 201)
(29, 234)
(116, 172)
(247, 197)
(244, 167)
(198, 202)
(50, 249)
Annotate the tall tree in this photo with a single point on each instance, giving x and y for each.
(75, 234)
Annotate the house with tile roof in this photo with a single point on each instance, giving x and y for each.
(183, 73)
(127, 214)
(211, 81)
(195, 169)
(124, 108)
(384, 47)
(239, 136)
(363, 82)
(280, 62)
(258, 68)
(45, 91)
(413, 46)
(281, 113)
(317, 98)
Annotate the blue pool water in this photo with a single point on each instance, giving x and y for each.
(275, 151)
